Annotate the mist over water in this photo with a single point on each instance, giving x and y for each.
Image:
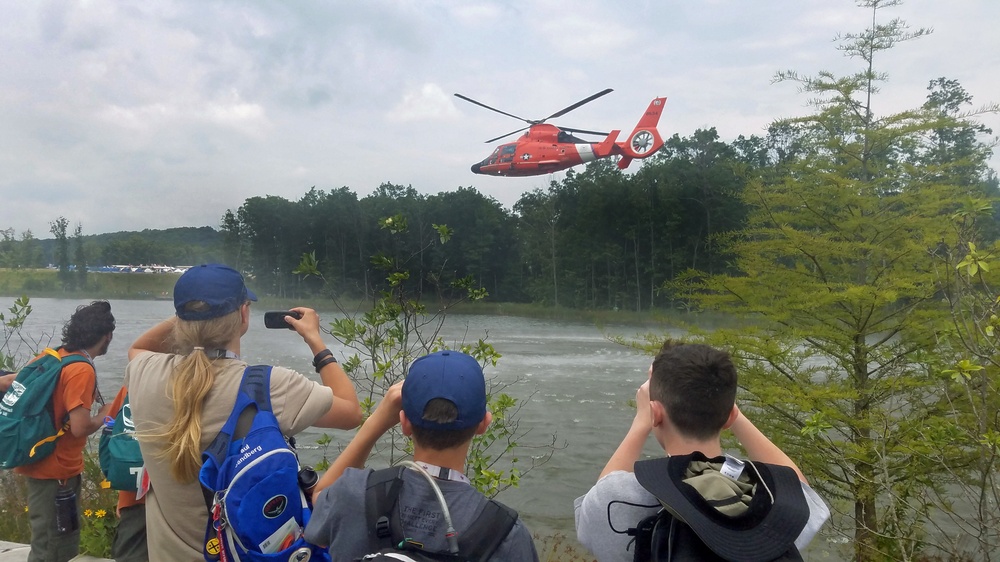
(572, 381)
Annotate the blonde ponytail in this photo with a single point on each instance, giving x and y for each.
(191, 382)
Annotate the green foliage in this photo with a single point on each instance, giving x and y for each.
(324, 443)
(79, 259)
(99, 506)
(13, 354)
(58, 229)
(14, 526)
(840, 272)
(399, 328)
(970, 382)
(19, 253)
(599, 239)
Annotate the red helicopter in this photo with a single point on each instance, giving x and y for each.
(547, 148)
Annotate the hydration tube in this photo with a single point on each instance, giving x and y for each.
(452, 535)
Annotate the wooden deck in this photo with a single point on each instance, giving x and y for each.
(14, 552)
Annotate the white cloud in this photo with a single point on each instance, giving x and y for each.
(168, 112)
(428, 102)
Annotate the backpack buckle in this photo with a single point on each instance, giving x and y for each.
(382, 527)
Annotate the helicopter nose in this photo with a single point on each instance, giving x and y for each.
(475, 168)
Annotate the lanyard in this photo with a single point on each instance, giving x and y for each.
(222, 354)
(442, 473)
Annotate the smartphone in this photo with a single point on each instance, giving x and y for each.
(276, 319)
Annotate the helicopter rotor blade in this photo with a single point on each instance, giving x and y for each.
(584, 131)
(576, 105)
(508, 134)
(470, 100)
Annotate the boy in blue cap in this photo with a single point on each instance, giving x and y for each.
(441, 406)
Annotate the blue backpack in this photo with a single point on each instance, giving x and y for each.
(28, 430)
(257, 510)
(118, 451)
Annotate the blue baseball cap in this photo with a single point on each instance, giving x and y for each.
(219, 286)
(451, 375)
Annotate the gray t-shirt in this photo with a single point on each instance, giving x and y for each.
(618, 501)
(338, 518)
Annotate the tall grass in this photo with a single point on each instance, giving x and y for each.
(44, 283)
(97, 505)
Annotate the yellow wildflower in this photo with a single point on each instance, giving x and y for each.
(87, 513)
(26, 509)
(101, 513)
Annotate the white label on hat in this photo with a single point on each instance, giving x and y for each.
(733, 467)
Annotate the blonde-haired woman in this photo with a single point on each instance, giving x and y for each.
(183, 376)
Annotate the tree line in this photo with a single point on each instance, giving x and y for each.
(860, 247)
(598, 239)
(73, 254)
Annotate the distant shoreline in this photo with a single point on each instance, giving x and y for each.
(44, 283)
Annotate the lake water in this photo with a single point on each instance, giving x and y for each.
(574, 382)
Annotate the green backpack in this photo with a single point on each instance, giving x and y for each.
(118, 451)
(28, 431)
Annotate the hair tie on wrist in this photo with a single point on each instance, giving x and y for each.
(325, 361)
(321, 356)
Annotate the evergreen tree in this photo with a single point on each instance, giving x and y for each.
(58, 229)
(29, 255)
(839, 273)
(79, 257)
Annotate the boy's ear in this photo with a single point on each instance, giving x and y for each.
(487, 420)
(404, 424)
(657, 413)
(733, 414)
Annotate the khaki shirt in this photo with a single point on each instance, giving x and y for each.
(175, 512)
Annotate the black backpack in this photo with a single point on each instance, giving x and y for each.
(689, 529)
(663, 537)
(385, 532)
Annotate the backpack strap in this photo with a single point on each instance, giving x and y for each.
(643, 537)
(255, 389)
(478, 542)
(381, 495)
(64, 426)
(487, 532)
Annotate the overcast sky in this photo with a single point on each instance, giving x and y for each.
(158, 113)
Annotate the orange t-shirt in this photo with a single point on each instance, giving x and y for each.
(75, 389)
(125, 499)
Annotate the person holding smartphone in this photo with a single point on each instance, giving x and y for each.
(183, 376)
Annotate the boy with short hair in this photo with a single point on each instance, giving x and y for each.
(441, 405)
(687, 402)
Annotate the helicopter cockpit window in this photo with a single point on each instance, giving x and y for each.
(493, 157)
(507, 152)
(567, 137)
